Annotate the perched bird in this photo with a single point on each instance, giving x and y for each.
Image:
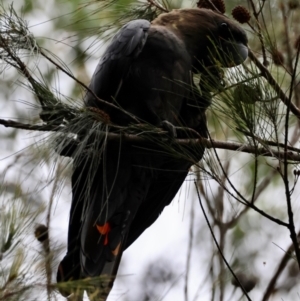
(147, 70)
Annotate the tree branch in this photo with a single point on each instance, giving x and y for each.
(188, 142)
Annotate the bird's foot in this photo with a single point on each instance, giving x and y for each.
(169, 127)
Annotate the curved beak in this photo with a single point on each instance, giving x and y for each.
(232, 53)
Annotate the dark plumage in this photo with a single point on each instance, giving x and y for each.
(147, 70)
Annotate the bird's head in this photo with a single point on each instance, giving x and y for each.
(210, 38)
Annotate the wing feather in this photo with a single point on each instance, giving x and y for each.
(114, 65)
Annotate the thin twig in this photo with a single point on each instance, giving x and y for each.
(261, 188)
(188, 259)
(268, 76)
(155, 4)
(285, 167)
(284, 260)
(287, 38)
(212, 6)
(262, 3)
(222, 233)
(240, 198)
(259, 33)
(255, 172)
(48, 252)
(268, 142)
(217, 244)
(289, 48)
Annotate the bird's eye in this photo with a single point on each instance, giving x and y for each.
(224, 25)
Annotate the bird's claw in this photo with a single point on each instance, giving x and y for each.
(169, 127)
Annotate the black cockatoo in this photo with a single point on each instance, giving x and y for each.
(147, 70)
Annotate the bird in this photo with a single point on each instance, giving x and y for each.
(145, 76)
